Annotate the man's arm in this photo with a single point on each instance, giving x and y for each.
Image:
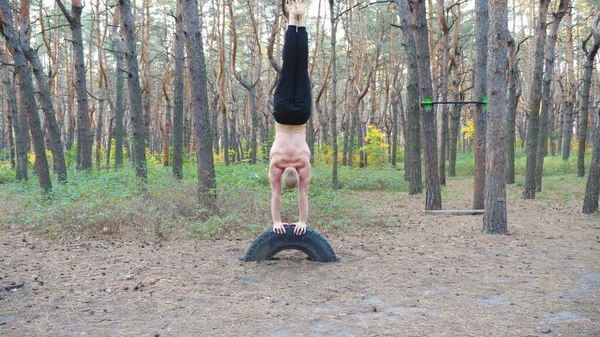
(275, 180)
(305, 177)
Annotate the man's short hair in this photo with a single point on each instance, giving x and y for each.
(290, 177)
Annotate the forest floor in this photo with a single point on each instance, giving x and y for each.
(421, 275)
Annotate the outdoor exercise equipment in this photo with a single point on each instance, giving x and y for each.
(269, 243)
(428, 102)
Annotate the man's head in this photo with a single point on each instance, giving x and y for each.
(290, 177)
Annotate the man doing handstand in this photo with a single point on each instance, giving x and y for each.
(290, 155)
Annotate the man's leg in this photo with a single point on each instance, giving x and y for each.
(285, 91)
(302, 98)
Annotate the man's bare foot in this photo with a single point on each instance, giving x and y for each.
(279, 228)
(300, 228)
(292, 11)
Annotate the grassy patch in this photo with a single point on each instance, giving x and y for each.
(111, 201)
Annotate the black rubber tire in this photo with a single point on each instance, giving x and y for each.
(269, 243)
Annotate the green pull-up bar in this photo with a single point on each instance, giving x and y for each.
(428, 102)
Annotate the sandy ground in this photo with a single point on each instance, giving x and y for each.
(423, 275)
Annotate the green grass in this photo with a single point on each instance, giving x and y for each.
(112, 201)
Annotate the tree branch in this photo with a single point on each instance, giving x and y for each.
(65, 12)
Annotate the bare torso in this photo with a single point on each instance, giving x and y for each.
(290, 148)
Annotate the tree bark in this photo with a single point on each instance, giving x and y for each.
(433, 199)
(135, 92)
(178, 89)
(413, 125)
(542, 150)
(119, 69)
(571, 87)
(494, 218)
(535, 98)
(26, 96)
(585, 95)
(592, 187)
(199, 103)
(480, 115)
(14, 119)
(514, 92)
(50, 122)
(454, 54)
(334, 79)
(443, 94)
(84, 136)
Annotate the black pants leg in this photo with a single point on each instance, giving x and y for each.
(293, 102)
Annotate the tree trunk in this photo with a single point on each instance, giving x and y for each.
(178, 89)
(111, 133)
(514, 92)
(585, 95)
(455, 88)
(334, 78)
(51, 124)
(167, 124)
(542, 149)
(119, 113)
(535, 98)
(26, 96)
(433, 199)
(84, 137)
(199, 102)
(480, 116)
(135, 92)
(592, 187)
(14, 121)
(571, 87)
(413, 126)
(444, 77)
(396, 100)
(494, 218)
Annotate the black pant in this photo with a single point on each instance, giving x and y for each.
(293, 102)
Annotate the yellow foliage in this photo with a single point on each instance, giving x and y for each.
(469, 129)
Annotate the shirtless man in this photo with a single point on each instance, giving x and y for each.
(290, 155)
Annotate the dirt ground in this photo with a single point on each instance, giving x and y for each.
(423, 275)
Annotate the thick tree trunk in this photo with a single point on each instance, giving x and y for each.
(14, 119)
(199, 101)
(413, 124)
(26, 96)
(480, 116)
(585, 95)
(542, 149)
(571, 88)
(433, 199)
(178, 89)
(592, 187)
(135, 92)
(535, 98)
(494, 218)
(514, 92)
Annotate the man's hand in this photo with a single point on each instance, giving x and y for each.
(278, 227)
(300, 228)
